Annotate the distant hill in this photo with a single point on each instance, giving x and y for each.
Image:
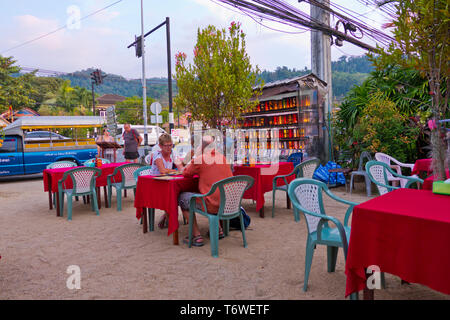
(347, 72)
(157, 88)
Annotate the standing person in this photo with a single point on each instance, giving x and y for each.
(132, 140)
(210, 168)
(105, 137)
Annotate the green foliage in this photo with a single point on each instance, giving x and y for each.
(219, 84)
(14, 91)
(404, 86)
(381, 128)
(115, 84)
(422, 35)
(130, 111)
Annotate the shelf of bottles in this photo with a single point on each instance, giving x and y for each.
(291, 120)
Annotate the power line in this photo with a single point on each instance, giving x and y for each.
(60, 28)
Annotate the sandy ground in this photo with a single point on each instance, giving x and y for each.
(118, 261)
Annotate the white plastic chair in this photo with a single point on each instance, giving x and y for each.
(382, 157)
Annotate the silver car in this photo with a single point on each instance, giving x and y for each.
(43, 135)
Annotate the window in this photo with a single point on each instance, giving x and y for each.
(9, 145)
(103, 114)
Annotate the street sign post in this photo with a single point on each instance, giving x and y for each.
(156, 109)
(111, 121)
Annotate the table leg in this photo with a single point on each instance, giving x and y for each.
(58, 213)
(144, 222)
(175, 238)
(50, 199)
(288, 201)
(125, 193)
(261, 212)
(99, 198)
(106, 196)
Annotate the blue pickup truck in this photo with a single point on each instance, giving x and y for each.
(26, 151)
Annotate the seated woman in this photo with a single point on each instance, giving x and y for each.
(163, 163)
(105, 137)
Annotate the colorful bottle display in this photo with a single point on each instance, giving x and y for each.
(286, 121)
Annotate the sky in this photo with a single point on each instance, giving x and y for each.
(101, 40)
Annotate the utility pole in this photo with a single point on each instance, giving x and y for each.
(321, 66)
(169, 64)
(169, 74)
(144, 81)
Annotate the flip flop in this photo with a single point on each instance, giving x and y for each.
(195, 243)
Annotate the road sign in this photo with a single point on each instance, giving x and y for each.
(156, 108)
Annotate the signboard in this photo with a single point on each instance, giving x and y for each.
(111, 122)
(156, 108)
(175, 133)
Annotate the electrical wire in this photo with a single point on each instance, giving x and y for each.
(59, 29)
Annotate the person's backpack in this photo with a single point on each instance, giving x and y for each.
(133, 131)
(235, 223)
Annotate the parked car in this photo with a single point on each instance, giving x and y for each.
(43, 135)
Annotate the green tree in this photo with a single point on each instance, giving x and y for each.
(219, 84)
(15, 91)
(66, 97)
(421, 31)
(381, 128)
(130, 110)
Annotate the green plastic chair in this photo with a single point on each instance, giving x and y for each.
(83, 184)
(231, 192)
(379, 173)
(142, 171)
(61, 164)
(128, 181)
(307, 196)
(145, 171)
(303, 170)
(91, 162)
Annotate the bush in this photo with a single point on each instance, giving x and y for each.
(381, 128)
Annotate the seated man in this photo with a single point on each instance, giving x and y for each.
(210, 166)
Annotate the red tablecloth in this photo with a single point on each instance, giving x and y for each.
(405, 232)
(57, 174)
(422, 165)
(428, 182)
(163, 195)
(263, 175)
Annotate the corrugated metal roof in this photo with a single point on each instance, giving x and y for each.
(291, 80)
(52, 122)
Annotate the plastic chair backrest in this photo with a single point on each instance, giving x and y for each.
(83, 179)
(61, 164)
(306, 168)
(364, 155)
(309, 196)
(378, 171)
(142, 171)
(127, 171)
(231, 192)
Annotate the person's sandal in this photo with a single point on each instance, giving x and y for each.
(221, 234)
(164, 222)
(195, 241)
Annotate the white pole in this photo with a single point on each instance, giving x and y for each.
(144, 82)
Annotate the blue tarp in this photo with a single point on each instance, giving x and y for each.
(323, 175)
